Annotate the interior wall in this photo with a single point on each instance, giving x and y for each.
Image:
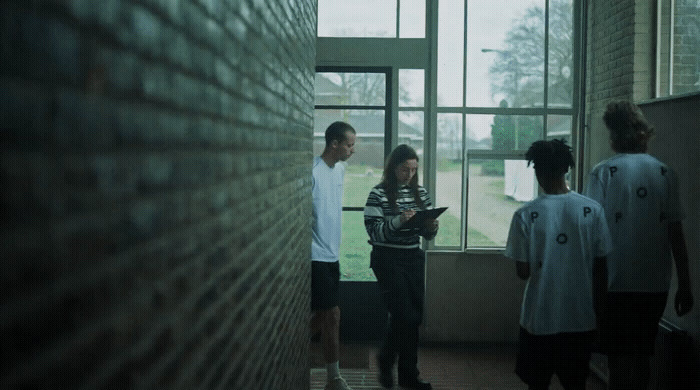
(156, 193)
(620, 65)
(677, 143)
(471, 298)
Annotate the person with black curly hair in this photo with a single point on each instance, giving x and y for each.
(559, 242)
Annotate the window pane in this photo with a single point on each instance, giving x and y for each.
(450, 53)
(686, 44)
(503, 132)
(411, 133)
(678, 54)
(411, 87)
(412, 19)
(350, 88)
(505, 63)
(663, 49)
(354, 249)
(496, 189)
(559, 126)
(365, 166)
(448, 182)
(358, 18)
(561, 54)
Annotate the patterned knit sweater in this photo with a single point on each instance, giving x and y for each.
(383, 221)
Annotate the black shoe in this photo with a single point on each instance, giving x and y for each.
(386, 376)
(415, 384)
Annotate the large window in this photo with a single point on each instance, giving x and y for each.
(488, 78)
(371, 18)
(678, 47)
(504, 80)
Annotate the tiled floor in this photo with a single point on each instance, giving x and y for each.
(447, 368)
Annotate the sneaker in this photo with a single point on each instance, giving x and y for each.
(337, 384)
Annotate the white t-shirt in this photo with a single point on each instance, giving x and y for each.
(640, 197)
(327, 190)
(559, 236)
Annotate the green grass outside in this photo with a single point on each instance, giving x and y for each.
(354, 249)
(445, 165)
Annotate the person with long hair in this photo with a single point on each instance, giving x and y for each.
(399, 263)
(641, 200)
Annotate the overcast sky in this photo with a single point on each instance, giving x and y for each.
(488, 22)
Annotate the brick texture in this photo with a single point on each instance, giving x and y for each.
(156, 193)
(686, 60)
(620, 63)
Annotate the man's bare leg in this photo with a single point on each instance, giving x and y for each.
(330, 334)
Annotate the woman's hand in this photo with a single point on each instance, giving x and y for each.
(406, 215)
(431, 225)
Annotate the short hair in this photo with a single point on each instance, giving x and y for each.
(629, 130)
(336, 132)
(551, 158)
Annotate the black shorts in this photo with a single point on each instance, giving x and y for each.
(325, 284)
(630, 322)
(564, 354)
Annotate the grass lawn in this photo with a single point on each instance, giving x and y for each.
(355, 250)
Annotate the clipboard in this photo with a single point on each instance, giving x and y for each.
(419, 218)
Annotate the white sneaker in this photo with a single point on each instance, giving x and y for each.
(337, 384)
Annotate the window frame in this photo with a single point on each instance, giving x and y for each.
(421, 53)
(481, 154)
(387, 107)
(665, 51)
(397, 31)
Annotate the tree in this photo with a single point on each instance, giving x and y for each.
(450, 137)
(518, 70)
(502, 130)
(361, 88)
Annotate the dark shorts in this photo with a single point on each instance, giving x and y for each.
(564, 354)
(325, 284)
(630, 322)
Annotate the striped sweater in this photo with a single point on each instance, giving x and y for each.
(383, 222)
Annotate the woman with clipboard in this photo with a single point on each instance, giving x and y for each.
(398, 262)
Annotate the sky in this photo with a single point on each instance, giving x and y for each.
(488, 22)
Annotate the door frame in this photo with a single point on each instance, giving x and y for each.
(363, 314)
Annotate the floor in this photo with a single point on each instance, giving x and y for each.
(447, 368)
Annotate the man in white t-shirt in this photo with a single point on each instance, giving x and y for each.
(559, 242)
(328, 173)
(640, 196)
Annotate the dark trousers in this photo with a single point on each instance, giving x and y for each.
(400, 274)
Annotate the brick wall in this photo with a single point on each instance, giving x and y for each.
(620, 63)
(686, 59)
(156, 193)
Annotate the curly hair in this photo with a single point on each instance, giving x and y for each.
(551, 158)
(629, 130)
